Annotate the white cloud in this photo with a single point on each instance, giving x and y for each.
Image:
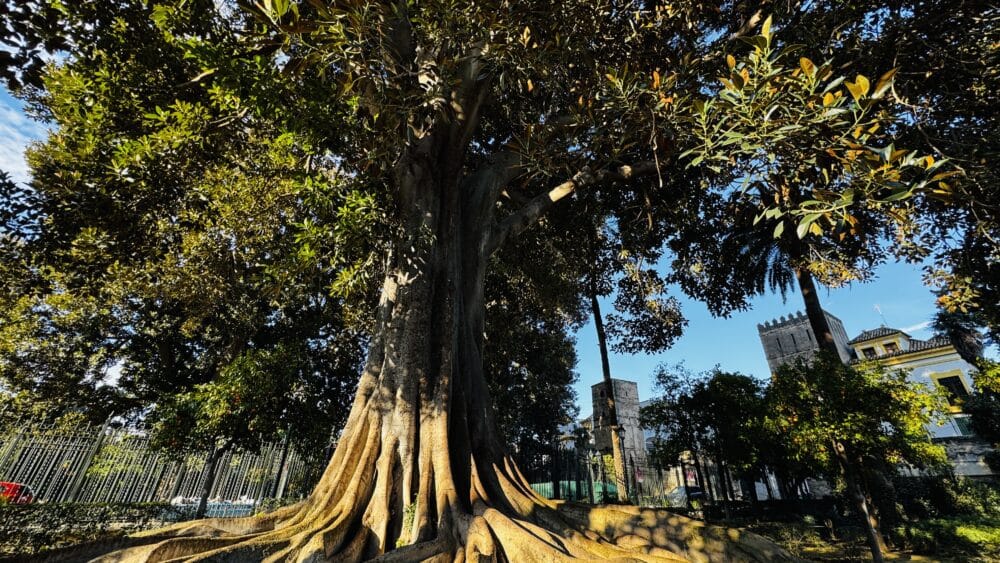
(917, 327)
(16, 131)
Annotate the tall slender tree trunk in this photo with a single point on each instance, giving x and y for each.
(705, 478)
(810, 298)
(824, 337)
(876, 543)
(725, 489)
(211, 469)
(617, 455)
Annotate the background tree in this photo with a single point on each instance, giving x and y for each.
(649, 322)
(677, 433)
(852, 421)
(166, 261)
(718, 414)
(962, 330)
(529, 352)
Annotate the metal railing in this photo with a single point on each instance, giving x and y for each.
(590, 478)
(100, 464)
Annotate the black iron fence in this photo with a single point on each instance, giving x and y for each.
(100, 464)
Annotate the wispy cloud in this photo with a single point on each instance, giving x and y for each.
(16, 131)
(917, 327)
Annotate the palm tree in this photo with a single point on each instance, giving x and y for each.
(756, 261)
(760, 254)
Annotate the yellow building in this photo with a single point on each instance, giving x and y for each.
(931, 362)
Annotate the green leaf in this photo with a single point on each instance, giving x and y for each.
(884, 83)
(899, 194)
(833, 84)
(806, 222)
(765, 30)
(779, 229)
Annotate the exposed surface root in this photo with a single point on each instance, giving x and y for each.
(550, 531)
(567, 532)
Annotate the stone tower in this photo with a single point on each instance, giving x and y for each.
(787, 339)
(627, 404)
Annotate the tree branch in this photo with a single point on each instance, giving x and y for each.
(485, 185)
(523, 218)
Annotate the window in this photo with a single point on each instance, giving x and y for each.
(868, 352)
(957, 393)
(891, 348)
(964, 425)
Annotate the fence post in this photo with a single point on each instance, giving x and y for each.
(78, 479)
(10, 446)
(279, 484)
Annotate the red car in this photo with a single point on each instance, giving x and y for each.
(16, 493)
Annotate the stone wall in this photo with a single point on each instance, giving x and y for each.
(787, 339)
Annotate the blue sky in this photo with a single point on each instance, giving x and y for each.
(731, 343)
(16, 131)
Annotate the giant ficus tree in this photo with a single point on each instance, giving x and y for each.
(471, 122)
(466, 124)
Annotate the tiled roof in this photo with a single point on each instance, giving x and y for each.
(936, 342)
(879, 332)
(915, 346)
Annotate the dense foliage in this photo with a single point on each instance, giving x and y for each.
(851, 425)
(880, 418)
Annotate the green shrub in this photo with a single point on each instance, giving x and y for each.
(942, 497)
(31, 528)
(972, 537)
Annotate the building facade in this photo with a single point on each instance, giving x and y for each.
(933, 362)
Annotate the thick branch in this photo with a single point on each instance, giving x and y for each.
(523, 218)
(485, 185)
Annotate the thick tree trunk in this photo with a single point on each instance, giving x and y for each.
(617, 456)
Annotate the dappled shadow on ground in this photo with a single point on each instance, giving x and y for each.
(644, 528)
